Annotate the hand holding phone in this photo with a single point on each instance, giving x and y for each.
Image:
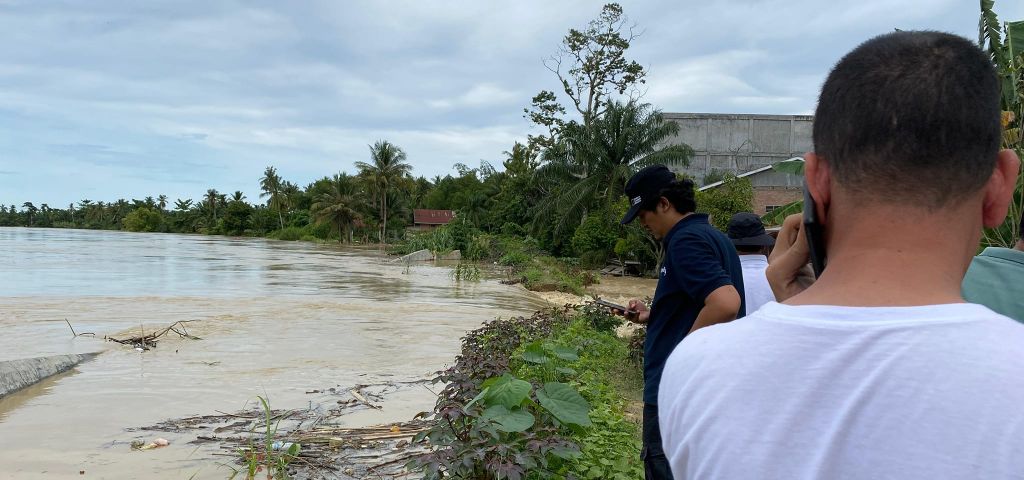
(788, 270)
(625, 311)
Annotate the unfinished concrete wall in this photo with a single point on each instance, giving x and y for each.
(740, 143)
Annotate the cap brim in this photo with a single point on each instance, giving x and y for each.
(763, 240)
(631, 214)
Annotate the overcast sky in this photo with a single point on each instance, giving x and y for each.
(124, 99)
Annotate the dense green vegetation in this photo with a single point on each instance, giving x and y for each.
(539, 397)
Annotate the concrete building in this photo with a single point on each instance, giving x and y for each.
(740, 143)
(746, 145)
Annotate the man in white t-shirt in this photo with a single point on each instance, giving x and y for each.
(752, 244)
(879, 369)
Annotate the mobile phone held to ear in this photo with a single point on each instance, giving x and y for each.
(814, 232)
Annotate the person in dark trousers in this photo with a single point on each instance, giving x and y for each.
(700, 284)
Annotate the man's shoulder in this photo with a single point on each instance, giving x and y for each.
(698, 233)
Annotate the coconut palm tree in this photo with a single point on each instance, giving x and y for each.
(338, 206)
(212, 198)
(386, 167)
(161, 202)
(31, 210)
(273, 188)
(591, 165)
(238, 196)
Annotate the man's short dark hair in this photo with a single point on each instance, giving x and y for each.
(680, 194)
(911, 117)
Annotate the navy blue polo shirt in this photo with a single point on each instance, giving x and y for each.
(698, 260)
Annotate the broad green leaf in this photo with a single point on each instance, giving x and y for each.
(566, 452)
(566, 370)
(564, 403)
(479, 396)
(508, 391)
(777, 216)
(508, 420)
(565, 353)
(534, 353)
(1015, 40)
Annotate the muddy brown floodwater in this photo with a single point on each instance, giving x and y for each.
(275, 318)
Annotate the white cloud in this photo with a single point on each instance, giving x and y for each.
(128, 99)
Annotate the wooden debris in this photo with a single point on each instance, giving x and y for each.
(145, 342)
(78, 334)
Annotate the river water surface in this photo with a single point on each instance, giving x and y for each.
(276, 319)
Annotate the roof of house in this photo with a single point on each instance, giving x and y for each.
(432, 217)
(747, 174)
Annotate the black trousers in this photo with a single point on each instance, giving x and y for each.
(655, 463)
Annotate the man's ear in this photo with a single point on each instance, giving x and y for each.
(819, 183)
(664, 205)
(999, 189)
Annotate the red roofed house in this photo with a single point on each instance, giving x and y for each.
(423, 219)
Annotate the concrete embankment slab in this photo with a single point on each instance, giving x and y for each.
(18, 374)
(427, 256)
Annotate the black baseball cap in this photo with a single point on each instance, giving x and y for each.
(746, 230)
(644, 189)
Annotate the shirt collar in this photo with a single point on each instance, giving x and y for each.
(1008, 254)
(693, 218)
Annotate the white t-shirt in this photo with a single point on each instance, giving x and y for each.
(821, 392)
(756, 290)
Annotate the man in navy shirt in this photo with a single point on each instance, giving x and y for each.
(700, 283)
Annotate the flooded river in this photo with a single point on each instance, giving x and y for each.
(275, 319)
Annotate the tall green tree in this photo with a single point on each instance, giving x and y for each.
(338, 206)
(387, 165)
(30, 211)
(273, 191)
(592, 67)
(212, 199)
(590, 169)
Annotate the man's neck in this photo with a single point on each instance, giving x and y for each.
(1019, 245)
(893, 260)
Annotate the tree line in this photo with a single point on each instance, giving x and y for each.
(562, 187)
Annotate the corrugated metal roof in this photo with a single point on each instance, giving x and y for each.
(432, 217)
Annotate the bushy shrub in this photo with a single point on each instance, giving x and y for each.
(288, 233)
(533, 398)
(143, 219)
(515, 258)
(596, 234)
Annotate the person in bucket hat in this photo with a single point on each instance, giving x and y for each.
(753, 245)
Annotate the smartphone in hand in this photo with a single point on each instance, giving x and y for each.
(616, 307)
(814, 232)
